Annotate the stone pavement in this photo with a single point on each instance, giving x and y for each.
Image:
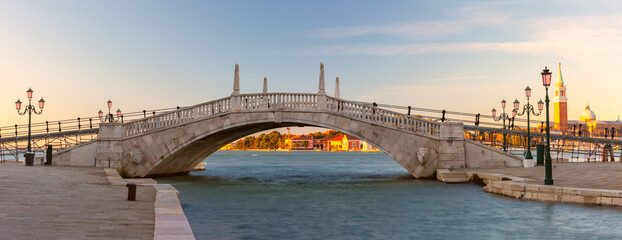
(576, 175)
(54, 202)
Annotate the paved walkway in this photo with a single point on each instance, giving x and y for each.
(578, 175)
(55, 202)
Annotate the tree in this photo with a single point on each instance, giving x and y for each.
(305, 143)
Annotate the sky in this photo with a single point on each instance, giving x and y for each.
(457, 55)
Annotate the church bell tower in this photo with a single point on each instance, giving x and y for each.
(560, 103)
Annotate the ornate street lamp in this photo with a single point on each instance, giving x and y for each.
(548, 165)
(503, 116)
(109, 117)
(29, 155)
(529, 110)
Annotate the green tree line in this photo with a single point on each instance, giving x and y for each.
(275, 140)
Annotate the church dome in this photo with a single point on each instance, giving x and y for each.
(587, 115)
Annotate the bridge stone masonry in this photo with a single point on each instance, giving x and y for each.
(176, 141)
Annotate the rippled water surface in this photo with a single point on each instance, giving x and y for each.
(339, 195)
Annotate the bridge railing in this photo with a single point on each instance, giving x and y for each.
(180, 116)
(279, 100)
(371, 113)
(301, 101)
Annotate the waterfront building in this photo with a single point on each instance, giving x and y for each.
(346, 142)
(301, 142)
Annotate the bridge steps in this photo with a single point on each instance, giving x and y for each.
(447, 176)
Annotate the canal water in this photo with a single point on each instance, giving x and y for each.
(357, 195)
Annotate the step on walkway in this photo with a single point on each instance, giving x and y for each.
(447, 176)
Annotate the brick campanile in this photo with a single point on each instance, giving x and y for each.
(560, 103)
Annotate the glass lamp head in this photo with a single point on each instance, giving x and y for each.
(528, 92)
(29, 93)
(41, 103)
(546, 77)
(18, 104)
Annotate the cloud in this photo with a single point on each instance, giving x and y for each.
(412, 30)
(416, 49)
(461, 21)
(568, 37)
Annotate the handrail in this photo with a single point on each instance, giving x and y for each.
(399, 120)
(297, 101)
(182, 115)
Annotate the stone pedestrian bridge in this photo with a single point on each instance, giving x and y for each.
(176, 141)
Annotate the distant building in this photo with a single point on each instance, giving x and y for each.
(324, 142)
(346, 142)
(317, 142)
(302, 142)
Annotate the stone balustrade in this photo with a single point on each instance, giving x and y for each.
(379, 115)
(273, 101)
(172, 118)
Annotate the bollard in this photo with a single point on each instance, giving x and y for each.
(48, 156)
(131, 191)
(540, 154)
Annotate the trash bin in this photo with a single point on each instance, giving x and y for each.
(540, 153)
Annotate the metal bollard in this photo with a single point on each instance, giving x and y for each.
(131, 191)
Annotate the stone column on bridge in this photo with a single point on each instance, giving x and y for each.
(337, 88)
(266, 101)
(451, 152)
(321, 95)
(109, 145)
(235, 96)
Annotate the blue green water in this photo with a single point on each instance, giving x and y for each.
(346, 195)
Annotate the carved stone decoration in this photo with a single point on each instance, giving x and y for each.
(137, 156)
(420, 154)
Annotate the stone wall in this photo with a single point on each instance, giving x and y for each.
(82, 155)
(481, 156)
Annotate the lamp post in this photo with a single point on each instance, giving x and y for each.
(109, 117)
(29, 156)
(528, 108)
(548, 165)
(502, 116)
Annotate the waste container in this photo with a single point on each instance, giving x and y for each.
(540, 153)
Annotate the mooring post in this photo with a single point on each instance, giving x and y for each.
(48, 155)
(131, 191)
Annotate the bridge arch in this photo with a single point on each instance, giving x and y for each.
(179, 148)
